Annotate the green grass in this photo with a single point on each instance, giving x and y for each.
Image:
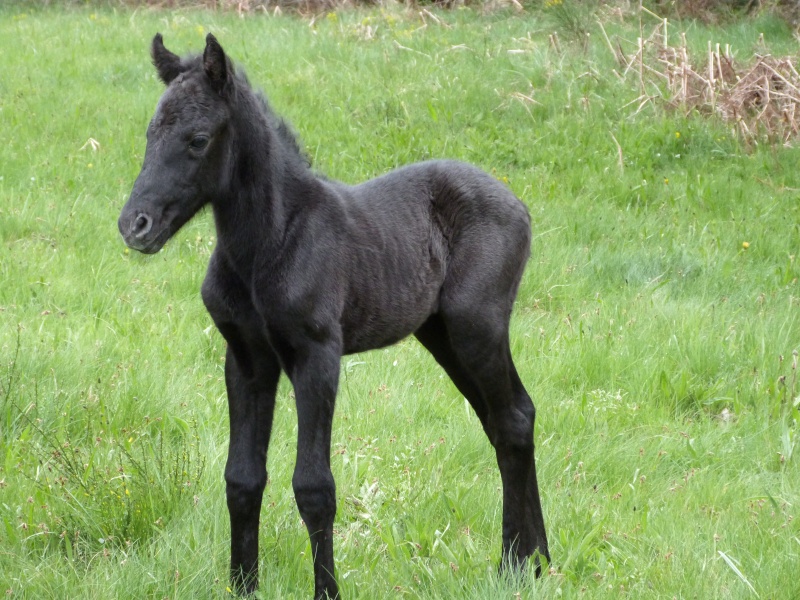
(657, 348)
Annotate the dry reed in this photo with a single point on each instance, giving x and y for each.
(761, 99)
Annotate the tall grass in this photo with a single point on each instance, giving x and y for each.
(655, 326)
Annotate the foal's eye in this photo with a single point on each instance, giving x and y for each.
(199, 142)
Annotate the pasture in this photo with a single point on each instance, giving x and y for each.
(657, 325)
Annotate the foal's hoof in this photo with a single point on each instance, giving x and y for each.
(541, 561)
(518, 566)
(243, 586)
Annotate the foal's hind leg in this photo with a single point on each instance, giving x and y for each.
(433, 336)
(534, 518)
(474, 351)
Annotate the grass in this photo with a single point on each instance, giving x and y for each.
(655, 326)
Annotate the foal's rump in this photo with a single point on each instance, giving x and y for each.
(489, 233)
(428, 233)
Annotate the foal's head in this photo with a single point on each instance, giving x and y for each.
(188, 154)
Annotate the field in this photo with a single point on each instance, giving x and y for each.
(657, 326)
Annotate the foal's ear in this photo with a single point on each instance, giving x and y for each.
(166, 63)
(216, 64)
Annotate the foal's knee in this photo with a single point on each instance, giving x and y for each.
(244, 493)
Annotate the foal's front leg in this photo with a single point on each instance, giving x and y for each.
(315, 377)
(251, 380)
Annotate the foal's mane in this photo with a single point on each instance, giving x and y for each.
(277, 124)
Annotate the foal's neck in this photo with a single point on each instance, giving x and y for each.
(266, 182)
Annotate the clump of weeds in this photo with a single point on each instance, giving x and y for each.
(92, 486)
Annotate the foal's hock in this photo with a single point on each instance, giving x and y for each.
(307, 269)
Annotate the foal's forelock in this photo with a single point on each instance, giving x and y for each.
(185, 99)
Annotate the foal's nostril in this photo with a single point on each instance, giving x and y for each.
(142, 225)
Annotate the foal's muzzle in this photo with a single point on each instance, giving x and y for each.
(137, 231)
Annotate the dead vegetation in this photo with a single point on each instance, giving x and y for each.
(760, 98)
(303, 7)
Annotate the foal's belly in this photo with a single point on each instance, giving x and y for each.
(370, 338)
(387, 309)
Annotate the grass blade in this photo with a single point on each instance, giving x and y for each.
(736, 570)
